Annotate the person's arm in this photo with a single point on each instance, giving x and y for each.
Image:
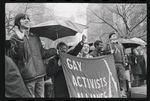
(78, 48)
(17, 48)
(46, 53)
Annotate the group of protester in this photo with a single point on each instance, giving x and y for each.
(25, 56)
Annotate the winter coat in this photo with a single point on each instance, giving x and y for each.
(135, 66)
(56, 72)
(28, 53)
(141, 61)
(14, 84)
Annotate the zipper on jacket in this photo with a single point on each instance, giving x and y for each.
(31, 52)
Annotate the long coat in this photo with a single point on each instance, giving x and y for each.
(56, 72)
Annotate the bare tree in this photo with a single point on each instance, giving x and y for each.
(126, 13)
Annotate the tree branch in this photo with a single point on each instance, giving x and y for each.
(130, 14)
(97, 22)
(142, 35)
(119, 28)
(118, 13)
(129, 8)
(26, 8)
(104, 21)
(124, 18)
(138, 23)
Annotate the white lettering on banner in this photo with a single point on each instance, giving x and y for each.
(85, 95)
(74, 65)
(80, 85)
(84, 81)
(79, 64)
(99, 86)
(89, 83)
(101, 82)
(104, 80)
(74, 81)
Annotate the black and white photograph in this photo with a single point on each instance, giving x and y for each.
(75, 50)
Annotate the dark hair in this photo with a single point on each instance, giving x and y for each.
(60, 44)
(111, 35)
(18, 17)
(97, 42)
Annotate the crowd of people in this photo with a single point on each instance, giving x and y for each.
(25, 55)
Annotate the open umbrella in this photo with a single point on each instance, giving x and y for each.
(127, 43)
(139, 41)
(57, 29)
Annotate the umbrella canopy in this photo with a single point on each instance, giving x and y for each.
(139, 41)
(128, 43)
(57, 29)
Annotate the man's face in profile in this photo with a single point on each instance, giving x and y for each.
(63, 49)
(99, 46)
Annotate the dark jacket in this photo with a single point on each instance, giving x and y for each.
(135, 66)
(128, 61)
(141, 61)
(14, 84)
(56, 72)
(28, 54)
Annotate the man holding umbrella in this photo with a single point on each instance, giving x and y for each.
(55, 70)
(28, 53)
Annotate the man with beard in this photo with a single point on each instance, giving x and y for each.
(99, 49)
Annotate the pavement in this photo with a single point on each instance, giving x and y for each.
(139, 92)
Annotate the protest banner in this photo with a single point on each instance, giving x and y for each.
(90, 77)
